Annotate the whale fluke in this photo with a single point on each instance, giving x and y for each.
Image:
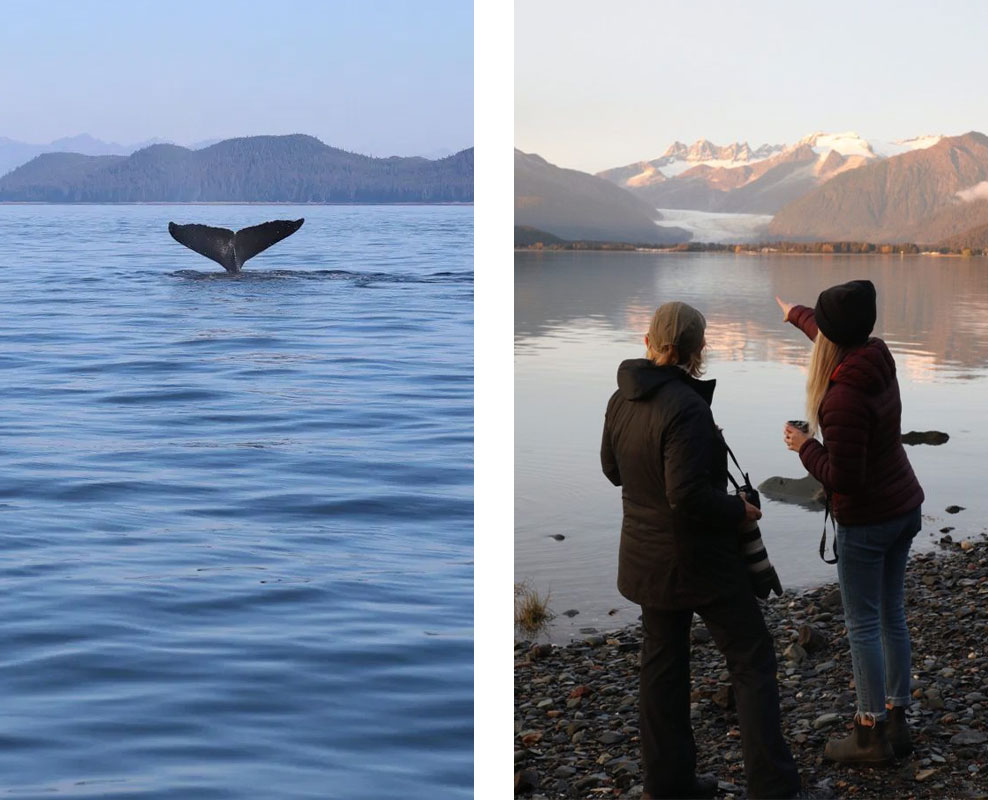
(228, 249)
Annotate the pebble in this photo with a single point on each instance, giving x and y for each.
(967, 737)
(826, 719)
(591, 748)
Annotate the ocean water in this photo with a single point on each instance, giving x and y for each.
(236, 512)
(578, 315)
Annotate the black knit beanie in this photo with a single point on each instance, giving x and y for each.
(846, 313)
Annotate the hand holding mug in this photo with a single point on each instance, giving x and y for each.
(794, 437)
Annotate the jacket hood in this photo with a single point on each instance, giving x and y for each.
(869, 368)
(639, 379)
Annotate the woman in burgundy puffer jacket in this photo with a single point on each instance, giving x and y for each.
(853, 402)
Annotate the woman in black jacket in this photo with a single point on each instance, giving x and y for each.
(680, 554)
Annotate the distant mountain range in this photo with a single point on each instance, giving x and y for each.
(735, 178)
(929, 190)
(576, 206)
(14, 153)
(290, 169)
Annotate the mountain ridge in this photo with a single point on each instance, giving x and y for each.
(291, 168)
(575, 205)
(915, 196)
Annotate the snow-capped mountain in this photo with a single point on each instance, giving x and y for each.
(923, 195)
(735, 178)
(679, 158)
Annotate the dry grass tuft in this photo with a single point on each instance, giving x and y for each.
(532, 613)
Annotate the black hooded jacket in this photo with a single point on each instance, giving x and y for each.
(679, 545)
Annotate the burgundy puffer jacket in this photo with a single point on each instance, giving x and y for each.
(862, 460)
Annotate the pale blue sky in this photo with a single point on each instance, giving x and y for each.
(601, 84)
(380, 77)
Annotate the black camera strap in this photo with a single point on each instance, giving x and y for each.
(828, 512)
(730, 477)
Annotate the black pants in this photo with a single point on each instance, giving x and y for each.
(668, 748)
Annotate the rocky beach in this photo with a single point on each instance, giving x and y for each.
(576, 706)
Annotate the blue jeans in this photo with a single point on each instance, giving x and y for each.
(871, 568)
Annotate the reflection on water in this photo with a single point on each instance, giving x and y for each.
(930, 310)
(577, 315)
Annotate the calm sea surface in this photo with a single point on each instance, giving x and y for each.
(236, 511)
(578, 315)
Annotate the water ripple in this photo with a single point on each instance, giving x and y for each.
(237, 510)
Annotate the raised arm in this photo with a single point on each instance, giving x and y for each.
(802, 317)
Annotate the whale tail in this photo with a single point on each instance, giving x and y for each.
(228, 249)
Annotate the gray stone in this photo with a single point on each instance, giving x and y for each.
(825, 720)
(925, 437)
(805, 491)
(968, 737)
(590, 782)
(724, 696)
(526, 780)
(795, 653)
(811, 639)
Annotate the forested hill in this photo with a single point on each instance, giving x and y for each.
(277, 169)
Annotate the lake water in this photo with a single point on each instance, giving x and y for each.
(236, 511)
(578, 315)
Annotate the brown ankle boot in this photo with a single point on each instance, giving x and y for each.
(898, 732)
(867, 745)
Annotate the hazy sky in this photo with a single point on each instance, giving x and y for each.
(378, 77)
(602, 84)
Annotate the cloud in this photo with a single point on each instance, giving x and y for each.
(977, 192)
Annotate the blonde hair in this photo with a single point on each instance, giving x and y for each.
(675, 336)
(823, 361)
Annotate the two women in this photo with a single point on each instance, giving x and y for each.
(679, 551)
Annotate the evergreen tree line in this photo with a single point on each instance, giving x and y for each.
(532, 239)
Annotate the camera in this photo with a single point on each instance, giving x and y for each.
(762, 574)
(801, 424)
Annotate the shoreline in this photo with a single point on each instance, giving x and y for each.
(728, 252)
(576, 704)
